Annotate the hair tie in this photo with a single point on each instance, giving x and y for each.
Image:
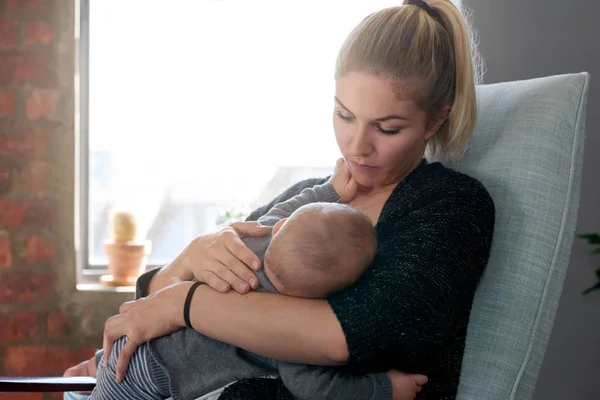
(424, 6)
(187, 304)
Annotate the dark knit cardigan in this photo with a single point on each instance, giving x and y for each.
(410, 310)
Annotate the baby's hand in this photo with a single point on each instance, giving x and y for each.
(342, 181)
(406, 386)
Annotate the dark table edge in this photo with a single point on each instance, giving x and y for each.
(32, 387)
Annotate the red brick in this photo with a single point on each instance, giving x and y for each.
(21, 396)
(12, 213)
(18, 67)
(23, 5)
(6, 171)
(42, 360)
(87, 320)
(38, 32)
(22, 287)
(7, 103)
(41, 103)
(9, 34)
(41, 213)
(38, 177)
(18, 325)
(5, 251)
(58, 325)
(29, 145)
(39, 249)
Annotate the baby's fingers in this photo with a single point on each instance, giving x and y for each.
(420, 380)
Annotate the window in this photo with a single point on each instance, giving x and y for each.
(189, 108)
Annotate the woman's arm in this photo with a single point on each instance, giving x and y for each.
(276, 326)
(161, 278)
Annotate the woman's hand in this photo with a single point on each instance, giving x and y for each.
(144, 319)
(221, 259)
(406, 386)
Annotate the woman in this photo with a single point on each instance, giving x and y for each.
(405, 87)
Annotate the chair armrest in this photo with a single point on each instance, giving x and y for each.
(47, 384)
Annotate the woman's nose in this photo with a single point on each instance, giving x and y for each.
(361, 144)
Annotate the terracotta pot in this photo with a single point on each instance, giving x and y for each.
(126, 261)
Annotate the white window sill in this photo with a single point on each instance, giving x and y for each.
(98, 287)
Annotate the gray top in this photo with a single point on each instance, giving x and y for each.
(197, 364)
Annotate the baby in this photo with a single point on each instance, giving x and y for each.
(317, 247)
(320, 249)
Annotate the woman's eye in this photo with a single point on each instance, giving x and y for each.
(342, 116)
(388, 131)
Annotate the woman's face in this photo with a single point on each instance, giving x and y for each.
(381, 133)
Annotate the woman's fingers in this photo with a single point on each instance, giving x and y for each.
(250, 228)
(111, 334)
(223, 261)
(214, 281)
(125, 356)
(239, 268)
(237, 247)
(128, 305)
(220, 274)
(225, 271)
(148, 318)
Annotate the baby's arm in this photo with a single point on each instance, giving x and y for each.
(319, 193)
(307, 382)
(340, 187)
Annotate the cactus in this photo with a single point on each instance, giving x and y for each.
(124, 227)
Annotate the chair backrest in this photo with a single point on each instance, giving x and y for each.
(527, 150)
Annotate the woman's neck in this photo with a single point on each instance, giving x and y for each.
(376, 190)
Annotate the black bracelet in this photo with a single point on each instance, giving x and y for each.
(188, 301)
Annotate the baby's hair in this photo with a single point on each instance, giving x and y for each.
(407, 44)
(322, 249)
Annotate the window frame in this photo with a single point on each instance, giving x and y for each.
(87, 273)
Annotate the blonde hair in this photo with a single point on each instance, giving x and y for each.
(407, 45)
(322, 248)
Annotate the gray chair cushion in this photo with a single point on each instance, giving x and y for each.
(527, 150)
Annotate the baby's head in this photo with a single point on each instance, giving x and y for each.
(320, 249)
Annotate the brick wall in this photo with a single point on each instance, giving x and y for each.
(44, 326)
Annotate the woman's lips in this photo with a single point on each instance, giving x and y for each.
(363, 167)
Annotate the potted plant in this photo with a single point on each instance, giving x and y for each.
(233, 212)
(594, 240)
(127, 257)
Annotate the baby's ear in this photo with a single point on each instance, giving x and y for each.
(278, 226)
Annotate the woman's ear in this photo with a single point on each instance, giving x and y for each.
(442, 117)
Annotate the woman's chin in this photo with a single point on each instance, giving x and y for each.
(365, 182)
